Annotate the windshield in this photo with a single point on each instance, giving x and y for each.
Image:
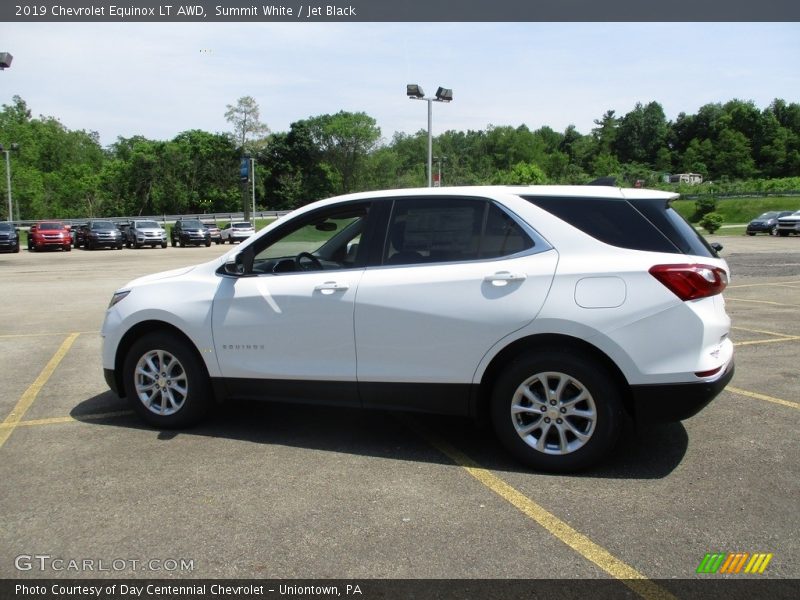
(242, 226)
(6, 227)
(768, 215)
(195, 224)
(58, 226)
(103, 225)
(147, 225)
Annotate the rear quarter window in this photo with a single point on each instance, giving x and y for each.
(647, 225)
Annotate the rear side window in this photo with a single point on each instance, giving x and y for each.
(434, 230)
(648, 225)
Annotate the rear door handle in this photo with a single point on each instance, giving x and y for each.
(329, 287)
(502, 278)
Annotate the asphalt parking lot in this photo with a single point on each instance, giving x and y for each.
(273, 491)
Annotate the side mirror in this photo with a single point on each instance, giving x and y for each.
(242, 263)
(716, 246)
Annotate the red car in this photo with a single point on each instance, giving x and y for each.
(49, 234)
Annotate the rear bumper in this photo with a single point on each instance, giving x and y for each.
(677, 401)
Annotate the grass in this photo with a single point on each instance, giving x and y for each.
(741, 210)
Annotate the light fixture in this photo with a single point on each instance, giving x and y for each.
(444, 95)
(414, 91)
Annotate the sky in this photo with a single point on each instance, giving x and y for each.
(159, 79)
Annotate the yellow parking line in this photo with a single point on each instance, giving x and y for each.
(762, 331)
(58, 333)
(565, 533)
(789, 403)
(749, 285)
(769, 341)
(24, 403)
(760, 302)
(60, 420)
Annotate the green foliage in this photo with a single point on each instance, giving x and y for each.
(703, 206)
(711, 222)
(521, 174)
(737, 147)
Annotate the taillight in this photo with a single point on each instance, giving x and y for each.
(690, 282)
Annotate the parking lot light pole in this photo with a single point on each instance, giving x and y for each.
(7, 152)
(414, 92)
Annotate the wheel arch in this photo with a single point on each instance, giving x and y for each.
(483, 392)
(141, 329)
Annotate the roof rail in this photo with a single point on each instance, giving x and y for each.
(606, 181)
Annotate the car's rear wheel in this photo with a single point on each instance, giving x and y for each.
(165, 382)
(557, 410)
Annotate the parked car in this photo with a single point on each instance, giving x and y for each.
(237, 232)
(9, 238)
(145, 232)
(789, 224)
(190, 232)
(213, 232)
(101, 234)
(75, 230)
(553, 311)
(124, 229)
(49, 234)
(766, 222)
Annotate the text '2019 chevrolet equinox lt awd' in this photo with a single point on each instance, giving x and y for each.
(551, 310)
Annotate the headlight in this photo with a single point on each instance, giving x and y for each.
(118, 297)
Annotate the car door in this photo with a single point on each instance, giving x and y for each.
(456, 276)
(284, 330)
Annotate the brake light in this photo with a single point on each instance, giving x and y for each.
(690, 282)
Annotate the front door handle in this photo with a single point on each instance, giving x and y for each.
(329, 287)
(502, 278)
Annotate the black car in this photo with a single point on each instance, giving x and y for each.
(767, 222)
(100, 234)
(9, 238)
(190, 231)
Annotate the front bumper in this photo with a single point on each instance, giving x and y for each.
(672, 402)
(111, 380)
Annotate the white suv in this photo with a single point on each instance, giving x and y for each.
(551, 310)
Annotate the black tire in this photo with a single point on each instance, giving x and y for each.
(31, 247)
(751, 233)
(188, 371)
(581, 377)
(67, 248)
(173, 242)
(208, 243)
(163, 245)
(16, 249)
(183, 244)
(783, 233)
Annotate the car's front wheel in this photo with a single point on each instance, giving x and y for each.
(557, 410)
(165, 382)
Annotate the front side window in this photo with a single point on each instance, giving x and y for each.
(435, 230)
(327, 241)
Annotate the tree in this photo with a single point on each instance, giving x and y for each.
(344, 140)
(244, 116)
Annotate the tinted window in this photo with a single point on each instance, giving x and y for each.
(58, 226)
(191, 224)
(6, 227)
(103, 225)
(649, 225)
(147, 225)
(433, 230)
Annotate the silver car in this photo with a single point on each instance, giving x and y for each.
(146, 233)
